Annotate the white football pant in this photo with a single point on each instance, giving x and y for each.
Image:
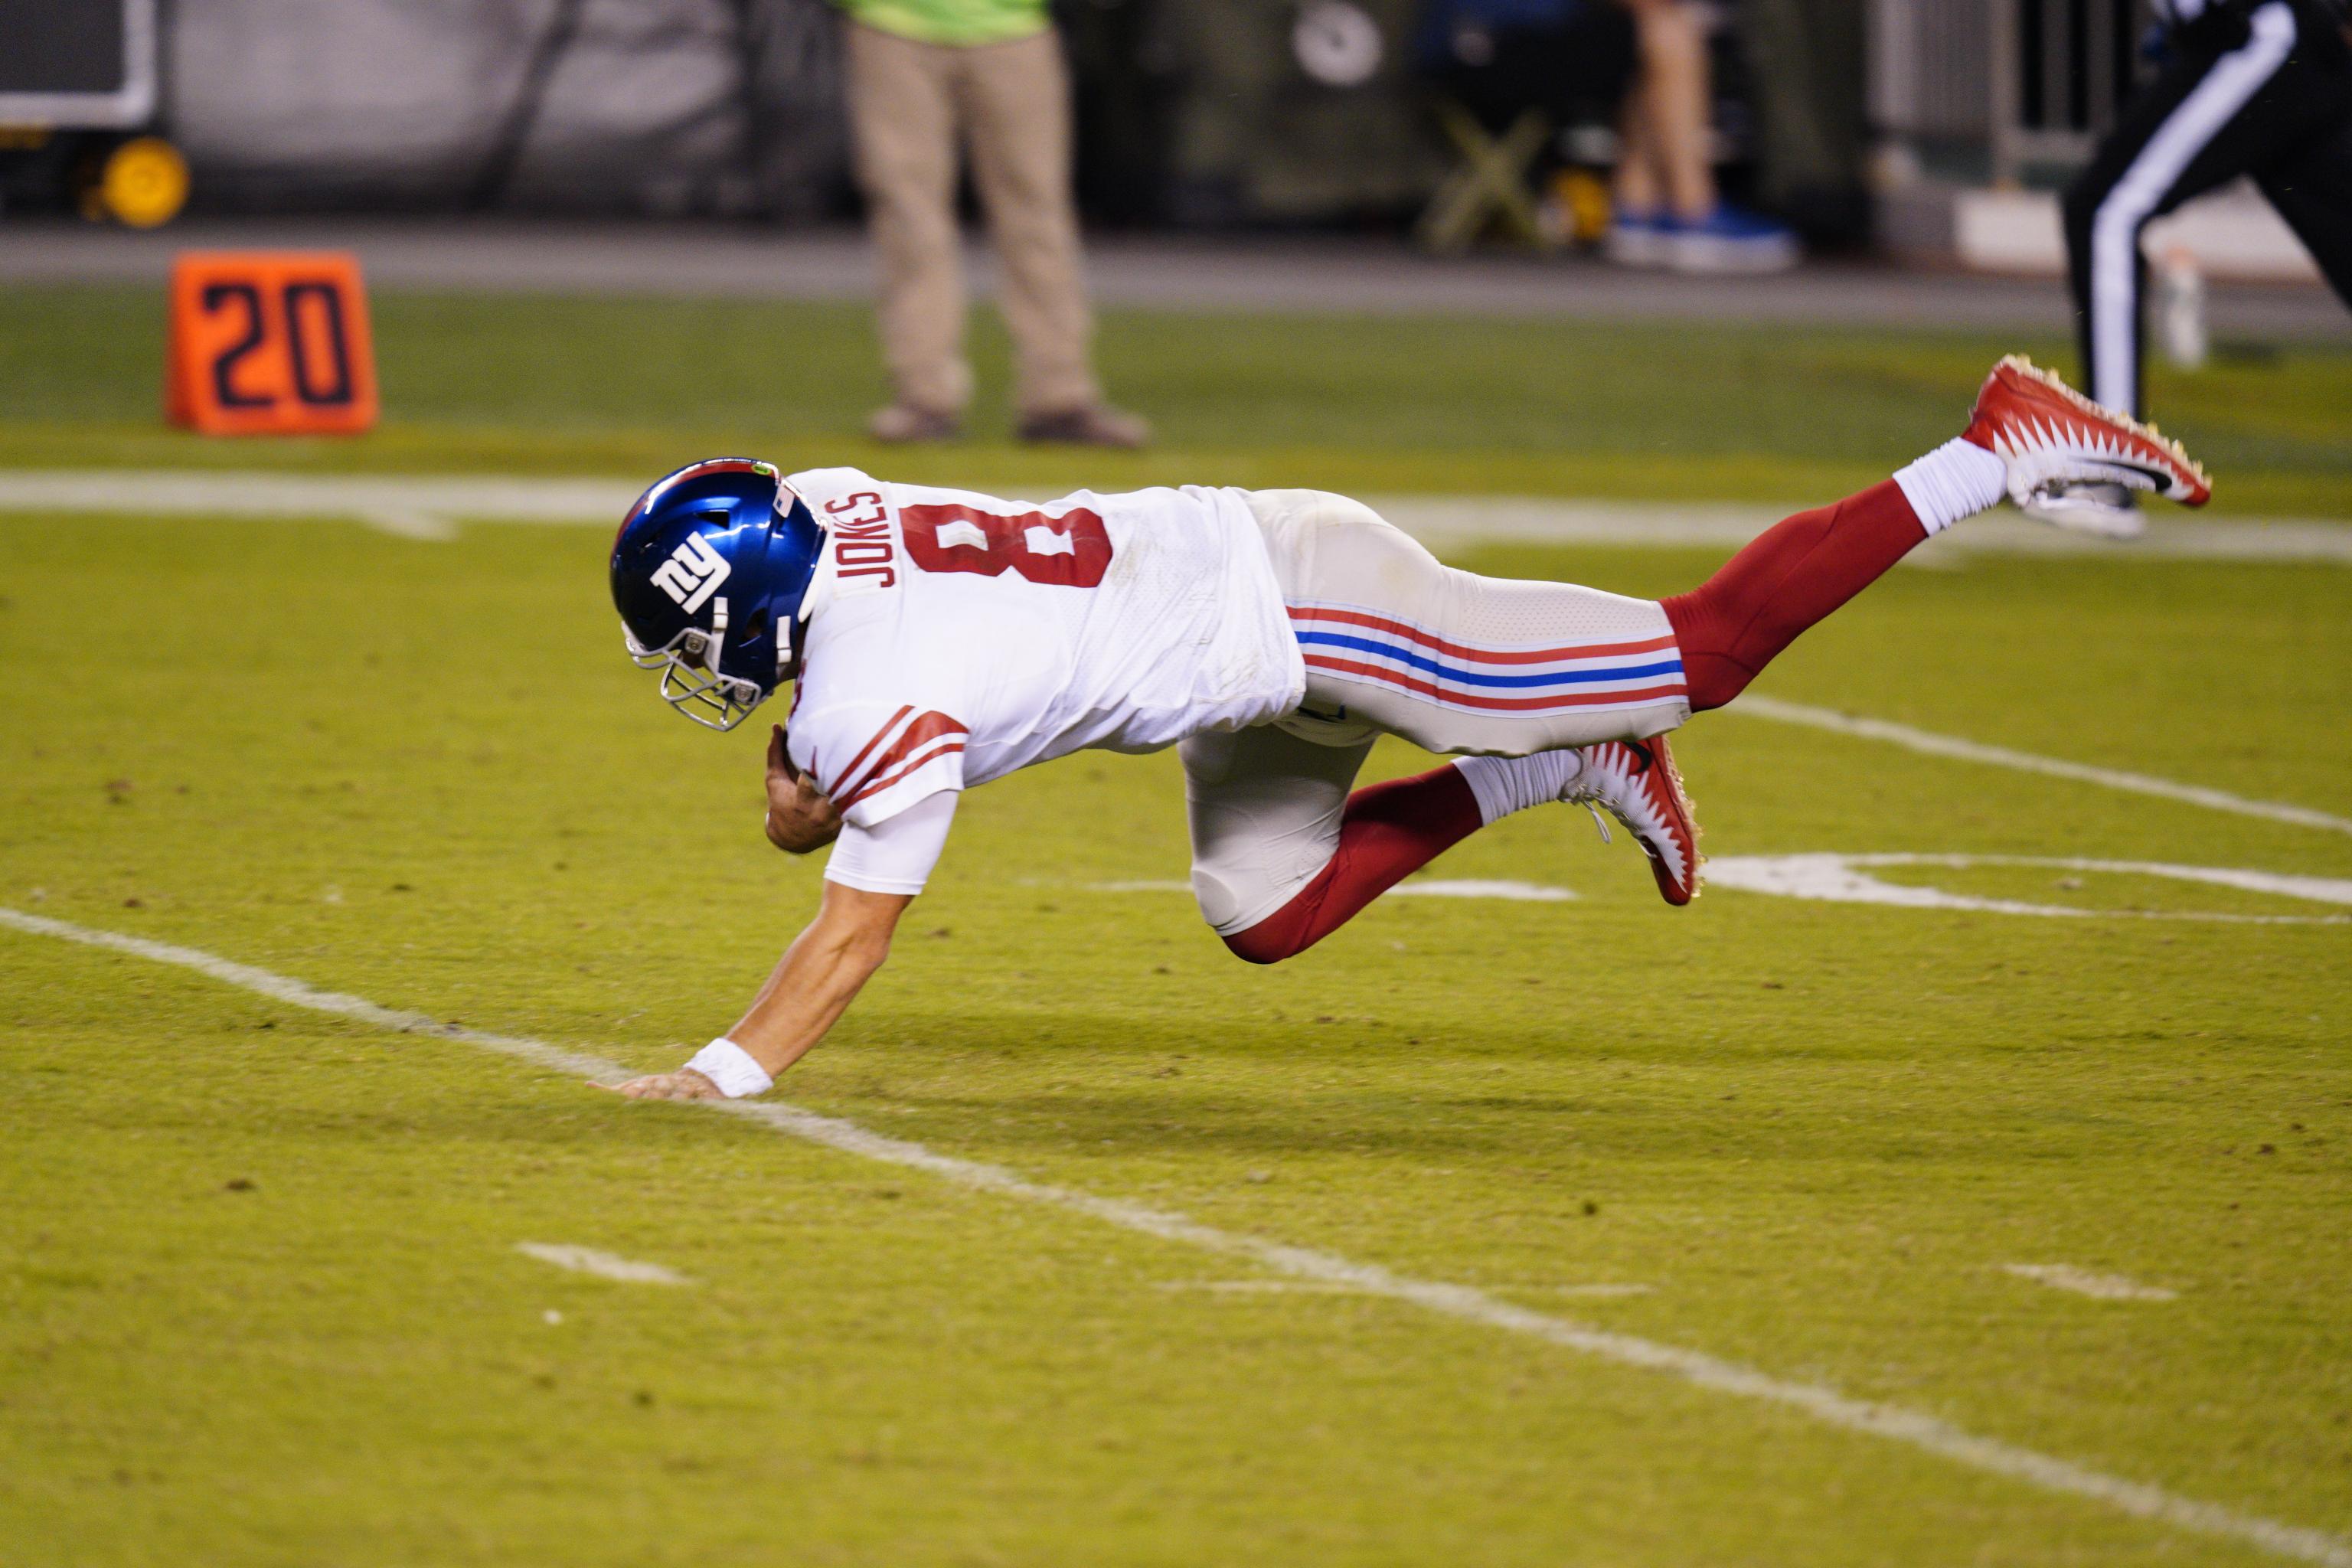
(1396, 642)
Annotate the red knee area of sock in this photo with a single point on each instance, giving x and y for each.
(1789, 578)
(1282, 934)
(1388, 831)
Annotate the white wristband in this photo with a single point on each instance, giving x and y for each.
(730, 1067)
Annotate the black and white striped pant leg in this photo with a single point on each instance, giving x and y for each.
(2312, 192)
(2208, 118)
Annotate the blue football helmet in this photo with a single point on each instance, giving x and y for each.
(711, 573)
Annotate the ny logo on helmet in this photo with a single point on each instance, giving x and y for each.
(691, 575)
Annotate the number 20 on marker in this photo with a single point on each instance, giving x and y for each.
(269, 343)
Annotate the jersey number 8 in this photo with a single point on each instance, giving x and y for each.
(1071, 550)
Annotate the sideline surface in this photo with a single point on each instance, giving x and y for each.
(1461, 1302)
(430, 508)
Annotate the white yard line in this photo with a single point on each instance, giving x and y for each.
(430, 507)
(1891, 1423)
(1259, 1287)
(411, 506)
(604, 1265)
(1427, 887)
(1479, 888)
(1321, 1288)
(2083, 1282)
(1440, 521)
(1846, 879)
(1932, 744)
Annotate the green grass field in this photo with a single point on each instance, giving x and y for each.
(260, 1296)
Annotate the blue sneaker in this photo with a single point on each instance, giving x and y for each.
(1731, 239)
(1636, 238)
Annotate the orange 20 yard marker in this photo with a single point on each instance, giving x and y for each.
(269, 343)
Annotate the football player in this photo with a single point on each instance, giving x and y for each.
(938, 639)
(2246, 88)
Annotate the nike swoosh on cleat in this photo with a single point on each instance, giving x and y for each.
(2161, 478)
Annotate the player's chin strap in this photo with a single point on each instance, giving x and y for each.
(690, 681)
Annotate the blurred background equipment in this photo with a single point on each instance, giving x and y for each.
(1525, 91)
(1206, 115)
(1123, 75)
(1935, 129)
(1809, 118)
(1983, 108)
(78, 97)
(1294, 114)
(1995, 90)
(658, 107)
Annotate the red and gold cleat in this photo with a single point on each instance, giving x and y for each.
(2052, 437)
(1636, 783)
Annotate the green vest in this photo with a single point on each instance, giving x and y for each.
(959, 22)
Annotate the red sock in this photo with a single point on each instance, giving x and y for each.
(1791, 576)
(1388, 831)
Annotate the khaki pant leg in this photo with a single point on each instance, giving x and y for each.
(1330, 551)
(1264, 809)
(902, 112)
(1017, 106)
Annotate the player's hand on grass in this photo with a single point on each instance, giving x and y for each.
(684, 1084)
(800, 818)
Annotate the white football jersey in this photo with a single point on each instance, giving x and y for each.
(958, 636)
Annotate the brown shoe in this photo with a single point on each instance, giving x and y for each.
(903, 422)
(1090, 424)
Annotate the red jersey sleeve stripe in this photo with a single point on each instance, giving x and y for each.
(849, 773)
(921, 732)
(944, 749)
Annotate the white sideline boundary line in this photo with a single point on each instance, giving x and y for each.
(2136, 1500)
(1929, 743)
(430, 508)
(1443, 521)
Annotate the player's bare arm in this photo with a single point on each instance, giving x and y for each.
(801, 817)
(812, 985)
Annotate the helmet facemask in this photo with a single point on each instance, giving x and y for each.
(691, 680)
